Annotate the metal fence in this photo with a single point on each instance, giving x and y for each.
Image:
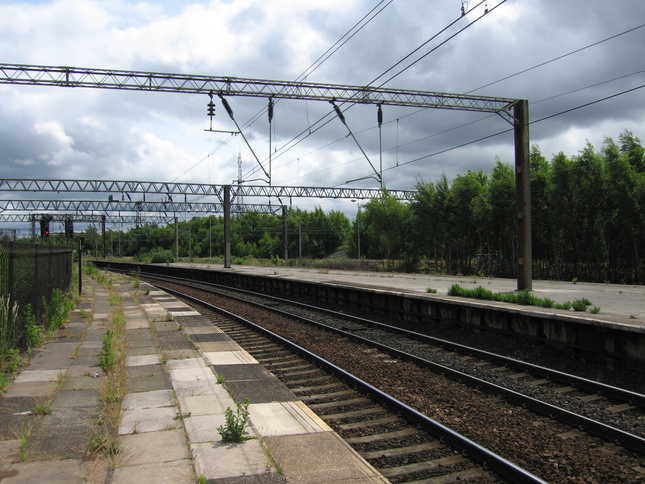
(30, 272)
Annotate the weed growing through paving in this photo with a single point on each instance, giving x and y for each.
(431, 290)
(236, 423)
(42, 409)
(106, 357)
(24, 439)
(220, 379)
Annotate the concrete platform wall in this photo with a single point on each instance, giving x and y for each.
(613, 344)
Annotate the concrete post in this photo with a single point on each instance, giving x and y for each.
(523, 197)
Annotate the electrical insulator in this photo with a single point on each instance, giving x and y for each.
(270, 109)
(379, 115)
(211, 108)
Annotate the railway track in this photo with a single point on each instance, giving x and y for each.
(400, 451)
(624, 465)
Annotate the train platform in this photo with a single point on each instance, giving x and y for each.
(619, 303)
(182, 377)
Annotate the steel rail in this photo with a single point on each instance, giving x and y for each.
(613, 434)
(599, 388)
(471, 449)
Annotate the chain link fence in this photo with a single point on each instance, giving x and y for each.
(29, 273)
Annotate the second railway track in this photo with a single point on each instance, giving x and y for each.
(554, 451)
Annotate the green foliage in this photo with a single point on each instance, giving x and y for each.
(9, 332)
(236, 423)
(160, 256)
(107, 357)
(581, 304)
(42, 409)
(524, 297)
(431, 290)
(57, 309)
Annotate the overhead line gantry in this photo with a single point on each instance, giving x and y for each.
(515, 111)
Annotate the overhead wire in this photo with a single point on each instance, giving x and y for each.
(327, 118)
(492, 116)
(346, 37)
(530, 123)
(527, 70)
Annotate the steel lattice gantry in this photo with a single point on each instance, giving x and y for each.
(193, 189)
(125, 206)
(515, 111)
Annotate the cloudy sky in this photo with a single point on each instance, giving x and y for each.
(510, 52)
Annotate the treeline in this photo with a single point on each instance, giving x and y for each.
(588, 223)
(588, 218)
(253, 235)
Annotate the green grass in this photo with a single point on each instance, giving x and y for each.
(523, 297)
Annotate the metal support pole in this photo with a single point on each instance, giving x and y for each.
(227, 227)
(286, 235)
(80, 266)
(523, 197)
(103, 237)
(176, 238)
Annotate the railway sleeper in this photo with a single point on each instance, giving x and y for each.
(360, 400)
(442, 465)
(368, 439)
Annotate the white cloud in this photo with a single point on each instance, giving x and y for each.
(66, 133)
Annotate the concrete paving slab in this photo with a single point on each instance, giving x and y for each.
(184, 313)
(86, 360)
(136, 323)
(244, 372)
(165, 326)
(175, 472)
(206, 404)
(9, 452)
(91, 351)
(186, 363)
(229, 358)
(154, 399)
(193, 374)
(31, 389)
(203, 428)
(138, 420)
(153, 447)
(30, 376)
(259, 391)
(285, 418)
(320, 457)
(53, 356)
(141, 360)
(63, 433)
(144, 350)
(217, 347)
(209, 337)
(180, 354)
(84, 382)
(146, 370)
(173, 340)
(200, 325)
(191, 388)
(10, 405)
(68, 471)
(149, 382)
(77, 398)
(218, 460)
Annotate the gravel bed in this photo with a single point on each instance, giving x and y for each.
(544, 447)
